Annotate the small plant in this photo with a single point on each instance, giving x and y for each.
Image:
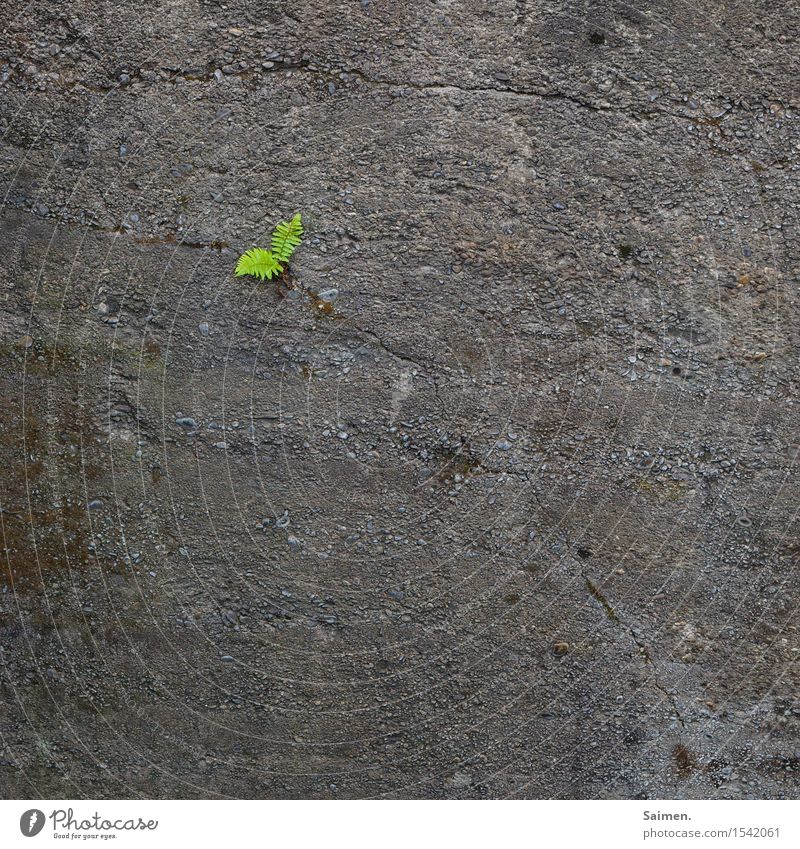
(259, 263)
(262, 263)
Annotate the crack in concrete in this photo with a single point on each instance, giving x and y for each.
(403, 358)
(381, 344)
(540, 94)
(655, 679)
(138, 238)
(207, 74)
(211, 74)
(642, 650)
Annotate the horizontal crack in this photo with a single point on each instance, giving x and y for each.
(138, 238)
(211, 74)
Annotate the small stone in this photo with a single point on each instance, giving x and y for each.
(187, 422)
(560, 649)
(97, 504)
(328, 295)
(221, 445)
(203, 328)
(461, 780)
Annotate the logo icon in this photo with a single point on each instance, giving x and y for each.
(31, 822)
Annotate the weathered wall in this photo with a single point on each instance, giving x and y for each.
(536, 455)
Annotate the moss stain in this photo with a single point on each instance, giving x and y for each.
(601, 600)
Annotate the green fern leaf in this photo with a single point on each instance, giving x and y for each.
(258, 263)
(286, 237)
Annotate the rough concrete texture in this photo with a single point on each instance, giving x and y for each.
(513, 512)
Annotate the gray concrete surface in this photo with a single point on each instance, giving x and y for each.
(514, 515)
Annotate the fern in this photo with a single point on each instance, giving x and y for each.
(286, 237)
(259, 263)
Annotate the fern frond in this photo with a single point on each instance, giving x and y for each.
(286, 237)
(259, 263)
